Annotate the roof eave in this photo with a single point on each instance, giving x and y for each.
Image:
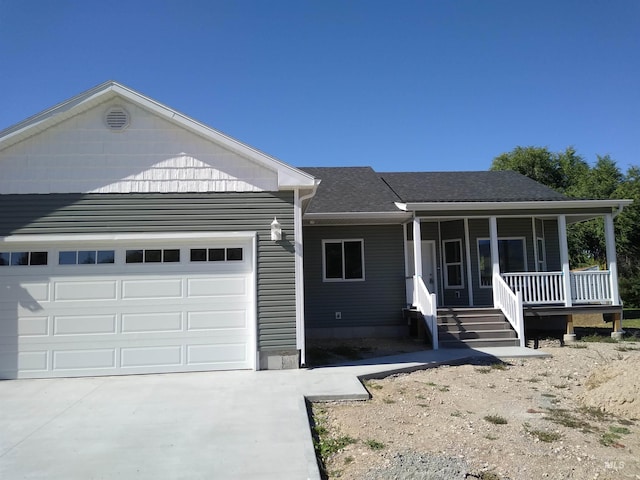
(508, 205)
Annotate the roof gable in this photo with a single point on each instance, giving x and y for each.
(76, 127)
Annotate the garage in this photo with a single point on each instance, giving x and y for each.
(112, 304)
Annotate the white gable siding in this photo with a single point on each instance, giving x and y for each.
(81, 155)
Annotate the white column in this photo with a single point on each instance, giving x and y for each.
(495, 256)
(564, 259)
(610, 240)
(417, 248)
(299, 276)
(468, 252)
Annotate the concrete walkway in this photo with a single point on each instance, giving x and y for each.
(227, 425)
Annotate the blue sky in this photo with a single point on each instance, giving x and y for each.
(398, 85)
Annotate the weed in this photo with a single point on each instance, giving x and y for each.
(598, 339)
(423, 405)
(420, 397)
(564, 418)
(610, 439)
(489, 476)
(490, 437)
(388, 400)
(327, 446)
(577, 345)
(431, 384)
(348, 460)
(375, 445)
(444, 388)
(593, 412)
(619, 430)
(496, 419)
(498, 366)
(549, 395)
(622, 348)
(561, 385)
(483, 370)
(542, 435)
(372, 386)
(544, 374)
(624, 421)
(533, 380)
(457, 413)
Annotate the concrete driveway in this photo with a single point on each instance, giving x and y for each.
(227, 425)
(214, 425)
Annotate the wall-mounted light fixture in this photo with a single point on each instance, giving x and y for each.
(276, 230)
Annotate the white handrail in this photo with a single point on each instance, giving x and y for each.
(540, 288)
(426, 303)
(510, 303)
(591, 287)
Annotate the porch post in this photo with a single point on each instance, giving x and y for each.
(468, 252)
(495, 256)
(610, 240)
(564, 259)
(417, 247)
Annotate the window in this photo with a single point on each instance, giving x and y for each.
(542, 262)
(23, 258)
(511, 254)
(153, 255)
(453, 263)
(85, 257)
(216, 254)
(343, 260)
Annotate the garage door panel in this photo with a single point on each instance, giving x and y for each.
(217, 354)
(216, 320)
(13, 291)
(85, 359)
(152, 288)
(217, 287)
(152, 322)
(84, 291)
(84, 325)
(151, 356)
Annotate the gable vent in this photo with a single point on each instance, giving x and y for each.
(116, 118)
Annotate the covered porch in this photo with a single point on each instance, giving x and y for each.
(513, 263)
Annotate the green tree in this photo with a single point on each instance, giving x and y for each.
(568, 173)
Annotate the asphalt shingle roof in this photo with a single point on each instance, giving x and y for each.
(361, 189)
(350, 189)
(482, 186)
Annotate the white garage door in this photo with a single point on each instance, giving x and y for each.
(127, 305)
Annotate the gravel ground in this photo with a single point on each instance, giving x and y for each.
(575, 415)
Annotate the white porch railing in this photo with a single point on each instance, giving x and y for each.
(591, 287)
(510, 303)
(538, 288)
(541, 288)
(426, 303)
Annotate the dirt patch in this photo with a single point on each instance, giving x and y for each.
(332, 351)
(569, 416)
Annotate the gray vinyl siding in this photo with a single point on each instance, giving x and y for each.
(375, 302)
(552, 245)
(212, 212)
(478, 228)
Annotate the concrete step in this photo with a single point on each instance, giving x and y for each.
(457, 326)
(476, 335)
(472, 343)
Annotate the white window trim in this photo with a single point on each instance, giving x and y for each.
(342, 242)
(524, 250)
(460, 264)
(541, 265)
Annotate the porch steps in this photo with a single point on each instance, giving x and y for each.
(474, 327)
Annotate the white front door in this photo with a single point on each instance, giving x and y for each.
(429, 270)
